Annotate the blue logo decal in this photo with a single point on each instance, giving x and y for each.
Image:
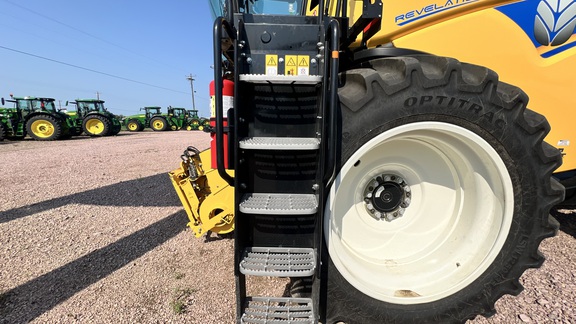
(546, 22)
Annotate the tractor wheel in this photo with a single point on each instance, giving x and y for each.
(96, 125)
(205, 122)
(194, 124)
(159, 124)
(2, 132)
(134, 125)
(442, 193)
(44, 128)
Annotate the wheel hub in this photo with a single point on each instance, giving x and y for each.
(387, 196)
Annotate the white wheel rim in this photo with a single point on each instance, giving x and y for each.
(458, 220)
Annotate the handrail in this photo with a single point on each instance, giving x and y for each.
(334, 30)
(218, 84)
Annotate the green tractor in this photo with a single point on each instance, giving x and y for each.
(92, 117)
(11, 125)
(37, 117)
(137, 123)
(195, 122)
(177, 118)
(155, 119)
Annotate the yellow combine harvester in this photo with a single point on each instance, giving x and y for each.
(382, 153)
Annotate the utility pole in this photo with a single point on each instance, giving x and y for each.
(191, 79)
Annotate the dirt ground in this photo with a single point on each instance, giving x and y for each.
(91, 231)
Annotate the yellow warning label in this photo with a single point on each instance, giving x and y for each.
(271, 64)
(303, 65)
(291, 66)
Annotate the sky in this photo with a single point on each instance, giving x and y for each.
(131, 54)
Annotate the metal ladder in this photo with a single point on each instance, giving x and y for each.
(282, 158)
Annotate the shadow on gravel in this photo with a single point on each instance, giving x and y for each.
(567, 220)
(30, 300)
(152, 191)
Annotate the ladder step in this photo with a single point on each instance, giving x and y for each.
(278, 310)
(278, 262)
(281, 79)
(279, 204)
(280, 143)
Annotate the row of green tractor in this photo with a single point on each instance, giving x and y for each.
(40, 119)
(174, 119)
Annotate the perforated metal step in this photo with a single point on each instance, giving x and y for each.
(280, 143)
(279, 204)
(276, 310)
(278, 262)
(281, 79)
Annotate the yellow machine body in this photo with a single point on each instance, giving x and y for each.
(206, 197)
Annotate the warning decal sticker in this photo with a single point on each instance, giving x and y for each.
(271, 64)
(303, 65)
(291, 67)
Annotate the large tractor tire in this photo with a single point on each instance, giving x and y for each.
(2, 132)
(134, 125)
(44, 128)
(442, 194)
(96, 125)
(159, 124)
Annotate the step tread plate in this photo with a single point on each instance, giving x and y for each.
(278, 262)
(278, 310)
(280, 143)
(281, 79)
(279, 204)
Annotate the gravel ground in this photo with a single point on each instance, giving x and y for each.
(91, 231)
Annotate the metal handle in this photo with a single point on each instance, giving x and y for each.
(334, 40)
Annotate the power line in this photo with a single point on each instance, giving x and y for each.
(90, 70)
(88, 34)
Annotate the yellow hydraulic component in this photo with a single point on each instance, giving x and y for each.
(206, 197)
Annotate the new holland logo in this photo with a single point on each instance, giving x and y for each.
(550, 24)
(555, 22)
